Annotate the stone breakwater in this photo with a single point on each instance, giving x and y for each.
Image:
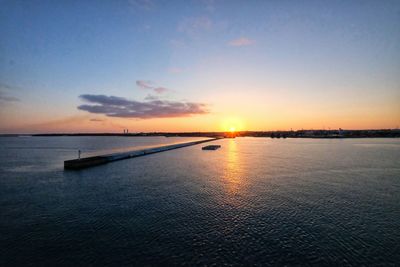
(102, 159)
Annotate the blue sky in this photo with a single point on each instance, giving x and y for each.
(336, 59)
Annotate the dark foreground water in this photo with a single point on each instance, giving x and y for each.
(252, 202)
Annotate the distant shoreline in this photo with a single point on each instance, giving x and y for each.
(320, 134)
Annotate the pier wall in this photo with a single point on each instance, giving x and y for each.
(82, 163)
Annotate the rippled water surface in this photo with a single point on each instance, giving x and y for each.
(255, 201)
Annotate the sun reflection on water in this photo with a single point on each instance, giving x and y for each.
(232, 177)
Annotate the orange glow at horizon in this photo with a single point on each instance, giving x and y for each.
(232, 124)
(223, 119)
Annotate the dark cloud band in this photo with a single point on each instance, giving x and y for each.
(114, 106)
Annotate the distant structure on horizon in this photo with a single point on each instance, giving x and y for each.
(312, 133)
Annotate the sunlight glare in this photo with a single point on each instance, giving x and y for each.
(232, 125)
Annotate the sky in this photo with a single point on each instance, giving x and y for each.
(206, 65)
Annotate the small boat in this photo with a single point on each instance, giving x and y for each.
(211, 147)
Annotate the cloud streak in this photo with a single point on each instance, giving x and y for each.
(4, 96)
(148, 85)
(7, 98)
(241, 42)
(113, 106)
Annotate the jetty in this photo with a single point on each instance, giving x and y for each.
(211, 147)
(87, 162)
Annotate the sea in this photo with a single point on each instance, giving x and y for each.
(253, 202)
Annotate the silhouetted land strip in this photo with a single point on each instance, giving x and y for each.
(273, 134)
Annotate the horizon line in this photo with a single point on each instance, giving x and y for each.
(191, 132)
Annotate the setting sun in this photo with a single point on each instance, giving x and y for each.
(232, 124)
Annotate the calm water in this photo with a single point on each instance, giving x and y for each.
(252, 202)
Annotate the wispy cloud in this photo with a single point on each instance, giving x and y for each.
(243, 41)
(144, 84)
(148, 85)
(4, 93)
(6, 86)
(195, 25)
(114, 106)
(160, 90)
(58, 125)
(68, 124)
(96, 120)
(6, 98)
(151, 97)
